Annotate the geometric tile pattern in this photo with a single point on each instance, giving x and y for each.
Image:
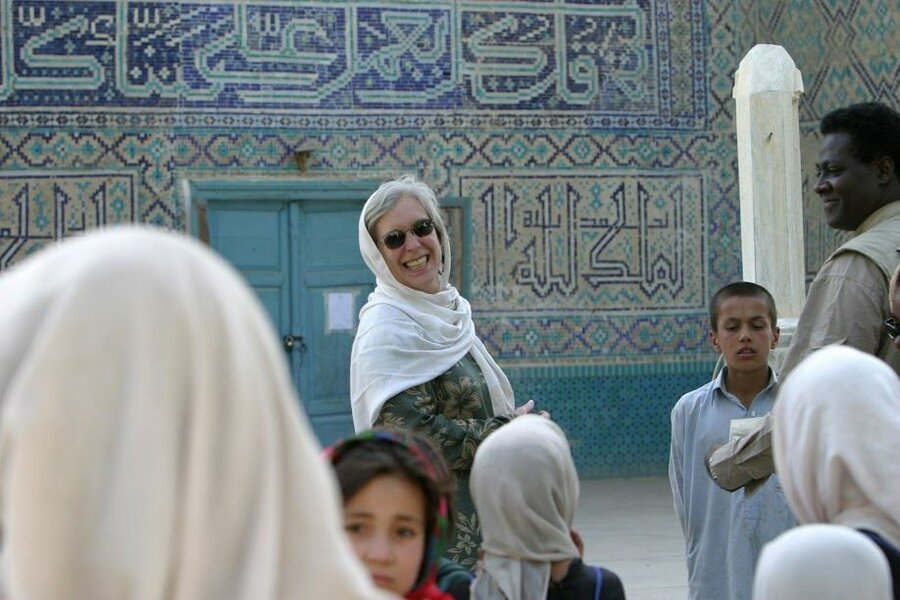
(616, 417)
(42, 206)
(846, 50)
(564, 338)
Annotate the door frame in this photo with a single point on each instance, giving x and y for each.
(199, 192)
(298, 197)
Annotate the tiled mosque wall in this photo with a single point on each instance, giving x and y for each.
(594, 143)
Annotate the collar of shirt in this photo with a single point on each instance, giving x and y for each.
(719, 386)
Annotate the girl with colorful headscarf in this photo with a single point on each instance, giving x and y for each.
(398, 500)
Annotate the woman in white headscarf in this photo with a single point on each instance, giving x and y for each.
(417, 363)
(151, 443)
(822, 562)
(525, 488)
(837, 439)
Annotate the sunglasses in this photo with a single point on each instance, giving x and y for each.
(892, 327)
(396, 238)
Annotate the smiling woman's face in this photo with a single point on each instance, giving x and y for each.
(417, 262)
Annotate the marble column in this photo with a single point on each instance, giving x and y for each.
(767, 92)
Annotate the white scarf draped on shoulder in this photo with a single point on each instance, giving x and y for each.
(407, 337)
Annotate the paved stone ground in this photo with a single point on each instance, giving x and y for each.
(629, 526)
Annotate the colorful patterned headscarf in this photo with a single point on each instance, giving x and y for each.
(425, 586)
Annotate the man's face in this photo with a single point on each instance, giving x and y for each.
(848, 187)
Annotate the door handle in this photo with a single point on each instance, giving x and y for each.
(293, 342)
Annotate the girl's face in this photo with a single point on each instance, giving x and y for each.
(386, 524)
(417, 262)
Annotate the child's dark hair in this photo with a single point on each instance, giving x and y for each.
(406, 454)
(741, 289)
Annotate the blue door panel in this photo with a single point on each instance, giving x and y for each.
(331, 240)
(254, 238)
(332, 268)
(332, 428)
(336, 279)
(300, 253)
(245, 236)
(330, 367)
(271, 299)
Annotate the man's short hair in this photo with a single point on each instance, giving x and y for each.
(873, 127)
(741, 289)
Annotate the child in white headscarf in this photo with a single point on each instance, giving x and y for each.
(151, 443)
(822, 562)
(525, 489)
(837, 439)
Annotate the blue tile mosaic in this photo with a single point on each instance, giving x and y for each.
(594, 142)
(611, 61)
(616, 417)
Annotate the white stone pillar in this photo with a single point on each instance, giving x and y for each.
(767, 92)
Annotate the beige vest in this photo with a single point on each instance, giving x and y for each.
(878, 238)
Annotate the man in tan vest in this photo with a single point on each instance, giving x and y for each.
(858, 179)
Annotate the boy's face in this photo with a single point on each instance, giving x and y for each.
(744, 333)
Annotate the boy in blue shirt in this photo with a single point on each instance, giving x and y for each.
(724, 532)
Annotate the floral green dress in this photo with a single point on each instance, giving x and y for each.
(454, 410)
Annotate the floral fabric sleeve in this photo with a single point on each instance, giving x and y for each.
(454, 410)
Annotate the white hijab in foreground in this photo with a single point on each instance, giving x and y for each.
(525, 489)
(151, 445)
(837, 439)
(822, 562)
(407, 338)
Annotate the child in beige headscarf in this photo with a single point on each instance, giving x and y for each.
(525, 489)
(151, 444)
(837, 439)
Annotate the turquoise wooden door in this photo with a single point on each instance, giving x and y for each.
(296, 244)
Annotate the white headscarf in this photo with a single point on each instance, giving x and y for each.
(525, 489)
(151, 444)
(822, 562)
(407, 337)
(836, 439)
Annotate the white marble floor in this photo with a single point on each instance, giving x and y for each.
(629, 526)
